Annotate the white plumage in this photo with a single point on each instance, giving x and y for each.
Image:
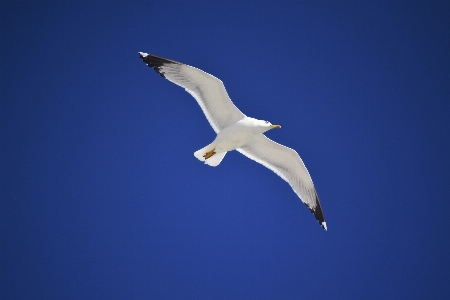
(236, 131)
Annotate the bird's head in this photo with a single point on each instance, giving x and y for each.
(266, 125)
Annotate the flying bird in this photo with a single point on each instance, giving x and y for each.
(236, 131)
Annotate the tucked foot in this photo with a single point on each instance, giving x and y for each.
(209, 154)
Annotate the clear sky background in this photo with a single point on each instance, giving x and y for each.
(102, 198)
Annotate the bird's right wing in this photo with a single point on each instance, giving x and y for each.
(208, 90)
(287, 164)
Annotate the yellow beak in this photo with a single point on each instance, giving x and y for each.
(275, 126)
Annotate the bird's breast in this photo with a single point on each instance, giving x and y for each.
(232, 138)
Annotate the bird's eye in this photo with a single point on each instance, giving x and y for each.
(267, 122)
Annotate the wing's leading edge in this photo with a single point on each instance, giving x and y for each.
(208, 90)
(287, 164)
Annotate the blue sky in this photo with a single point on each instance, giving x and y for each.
(102, 198)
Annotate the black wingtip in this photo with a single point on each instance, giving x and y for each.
(156, 62)
(318, 213)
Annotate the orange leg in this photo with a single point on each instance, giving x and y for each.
(209, 154)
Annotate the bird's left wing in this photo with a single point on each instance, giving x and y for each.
(287, 164)
(208, 90)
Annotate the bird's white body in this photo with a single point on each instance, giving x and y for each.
(236, 131)
(233, 137)
(238, 134)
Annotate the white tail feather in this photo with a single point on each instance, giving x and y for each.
(215, 160)
(199, 153)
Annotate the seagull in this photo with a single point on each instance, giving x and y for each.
(236, 131)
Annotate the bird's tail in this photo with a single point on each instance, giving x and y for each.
(213, 160)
